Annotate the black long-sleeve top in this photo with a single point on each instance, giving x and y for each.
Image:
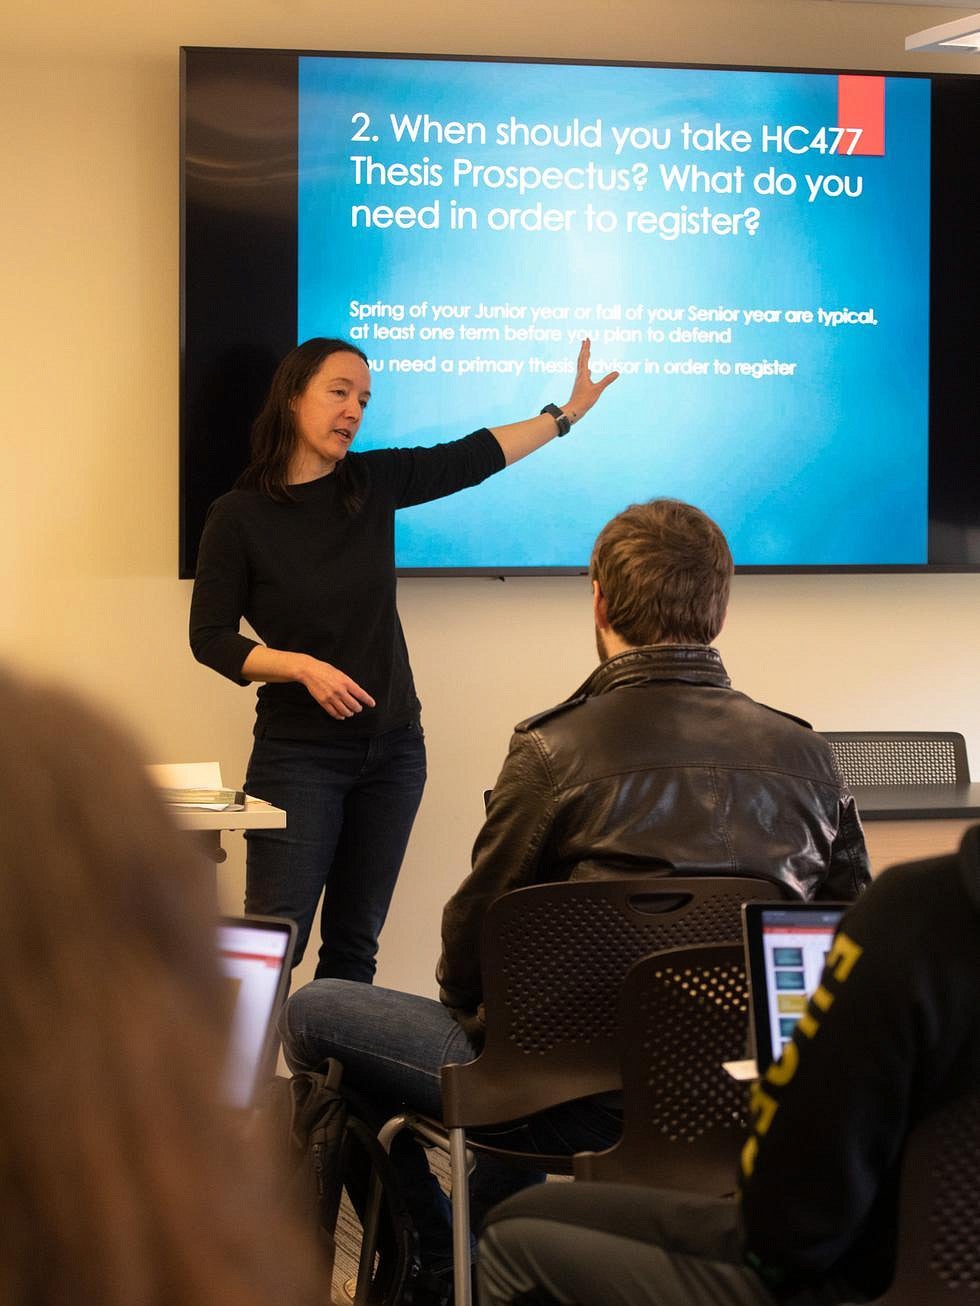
(309, 577)
(892, 1035)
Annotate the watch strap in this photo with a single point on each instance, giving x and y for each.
(562, 422)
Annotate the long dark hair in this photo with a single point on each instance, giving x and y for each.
(122, 1179)
(274, 430)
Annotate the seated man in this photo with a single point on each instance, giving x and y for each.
(656, 765)
(892, 1034)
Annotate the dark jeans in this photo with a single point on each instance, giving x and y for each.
(350, 805)
(393, 1046)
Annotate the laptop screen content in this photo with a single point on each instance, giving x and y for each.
(787, 946)
(254, 954)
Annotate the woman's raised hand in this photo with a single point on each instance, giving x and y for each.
(585, 391)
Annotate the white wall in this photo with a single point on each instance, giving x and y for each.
(88, 527)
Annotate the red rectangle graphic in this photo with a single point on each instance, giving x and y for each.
(861, 103)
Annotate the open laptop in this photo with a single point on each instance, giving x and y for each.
(786, 945)
(255, 954)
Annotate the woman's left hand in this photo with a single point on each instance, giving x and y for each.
(585, 391)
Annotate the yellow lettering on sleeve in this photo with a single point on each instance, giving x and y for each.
(749, 1152)
(842, 956)
(764, 1108)
(808, 1024)
(783, 1070)
(822, 998)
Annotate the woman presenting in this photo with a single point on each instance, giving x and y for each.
(303, 548)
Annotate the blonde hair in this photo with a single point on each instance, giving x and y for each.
(124, 1180)
(665, 570)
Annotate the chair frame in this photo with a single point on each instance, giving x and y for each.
(513, 1077)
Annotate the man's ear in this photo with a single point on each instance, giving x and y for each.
(599, 611)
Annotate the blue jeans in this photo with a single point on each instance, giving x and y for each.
(393, 1046)
(350, 805)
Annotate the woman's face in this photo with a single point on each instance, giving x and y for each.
(327, 415)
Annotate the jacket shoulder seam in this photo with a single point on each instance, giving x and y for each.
(531, 722)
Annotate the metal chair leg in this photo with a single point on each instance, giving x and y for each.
(461, 1216)
(372, 1215)
(460, 1164)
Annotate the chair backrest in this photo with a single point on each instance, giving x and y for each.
(892, 757)
(554, 957)
(938, 1222)
(683, 1013)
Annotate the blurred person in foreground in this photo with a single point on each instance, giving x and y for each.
(123, 1178)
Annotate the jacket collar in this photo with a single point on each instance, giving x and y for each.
(694, 663)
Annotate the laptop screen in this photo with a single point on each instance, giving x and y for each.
(786, 946)
(255, 954)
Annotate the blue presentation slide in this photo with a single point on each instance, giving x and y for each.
(750, 250)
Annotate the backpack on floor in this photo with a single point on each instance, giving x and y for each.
(326, 1147)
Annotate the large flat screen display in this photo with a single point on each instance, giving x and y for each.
(780, 264)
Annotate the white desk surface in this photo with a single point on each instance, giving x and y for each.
(256, 816)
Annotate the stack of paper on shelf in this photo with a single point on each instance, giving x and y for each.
(197, 785)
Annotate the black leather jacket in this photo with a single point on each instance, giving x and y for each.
(655, 764)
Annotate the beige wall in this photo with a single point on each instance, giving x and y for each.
(89, 234)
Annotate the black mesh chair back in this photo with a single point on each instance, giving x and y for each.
(683, 1013)
(890, 757)
(939, 1210)
(554, 959)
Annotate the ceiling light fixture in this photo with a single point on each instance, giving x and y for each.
(956, 37)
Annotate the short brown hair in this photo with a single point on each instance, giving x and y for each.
(665, 570)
